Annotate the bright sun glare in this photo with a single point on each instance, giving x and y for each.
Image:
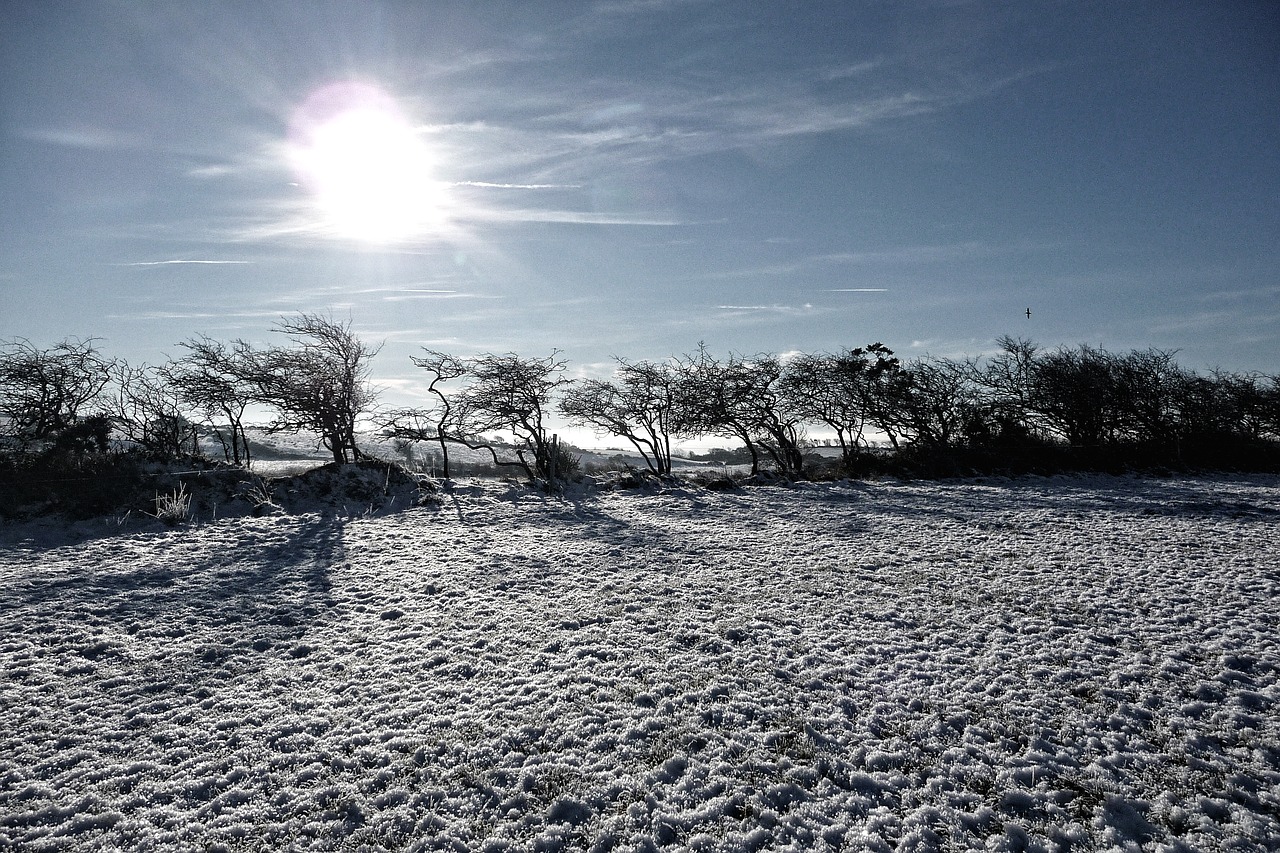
(368, 170)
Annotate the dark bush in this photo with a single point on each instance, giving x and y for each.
(73, 484)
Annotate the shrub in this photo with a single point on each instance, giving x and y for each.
(72, 484)
(715, 481)
(566, 464)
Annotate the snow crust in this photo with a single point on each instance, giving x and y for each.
(1041, 664)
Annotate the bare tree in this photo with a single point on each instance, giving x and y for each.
(1147, 386)
(926, 401)
(741, 398)
(780, 426)
(320, 384)
(53, 397)
(838, 390)
(938, 400)
(1008, 381)
(216, 381)
(438, 423)
(1266, 406)
(148, 410)
(642, 405)
(1247, 404)
(717, 403)
(511, 394)
(1074, 393)
(500, 394)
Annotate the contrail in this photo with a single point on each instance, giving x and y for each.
(491, 185)
(178, 261)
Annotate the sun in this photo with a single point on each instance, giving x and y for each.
(368, 170)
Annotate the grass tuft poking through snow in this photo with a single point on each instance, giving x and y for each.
(175, 507)
(1041, 664)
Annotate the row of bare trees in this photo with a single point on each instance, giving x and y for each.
(1089, 397)
(1021, 397)
(71, 398)
(761, 402)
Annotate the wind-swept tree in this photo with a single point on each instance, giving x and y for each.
(512, 394)
(838, 390)
(927, 401)
(53, 397)
(1007, 383)
(741, 398)
(1148, 384)
(498, 395)
(1074, 394)
(148, 410)
(780, 427)
(439, 423)
(641, 405)
(1247, 404)
(216, 382)
(1265, 406)
(320, 384)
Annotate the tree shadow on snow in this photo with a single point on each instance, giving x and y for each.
(1246, 498)
(260, 594)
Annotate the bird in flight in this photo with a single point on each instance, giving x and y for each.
(1028, 313)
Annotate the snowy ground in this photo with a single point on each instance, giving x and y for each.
(1043, 664)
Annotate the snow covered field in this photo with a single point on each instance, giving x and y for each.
(1083, 663)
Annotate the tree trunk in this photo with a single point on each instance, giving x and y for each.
(444, 454)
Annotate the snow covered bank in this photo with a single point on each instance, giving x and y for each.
(1026, 665)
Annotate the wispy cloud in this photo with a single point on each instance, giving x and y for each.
(952, 348)
(561, 130)
(211, 171)
(765, 118)
(477, 126)
(546, 131)
(858, 290)
(856, 69)
(1238, 321)
(897, 257)
(567, 217)
(180, 262)
(192, 315)
(408, 295)
(739, 315)
(769, 309)
(491, 185)
(1252, 293)
(640, 7)
(936, 252)
(88, 138)
(761, 270)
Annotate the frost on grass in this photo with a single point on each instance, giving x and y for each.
(1030, 665)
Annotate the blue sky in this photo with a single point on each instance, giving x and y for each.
(633, 177)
